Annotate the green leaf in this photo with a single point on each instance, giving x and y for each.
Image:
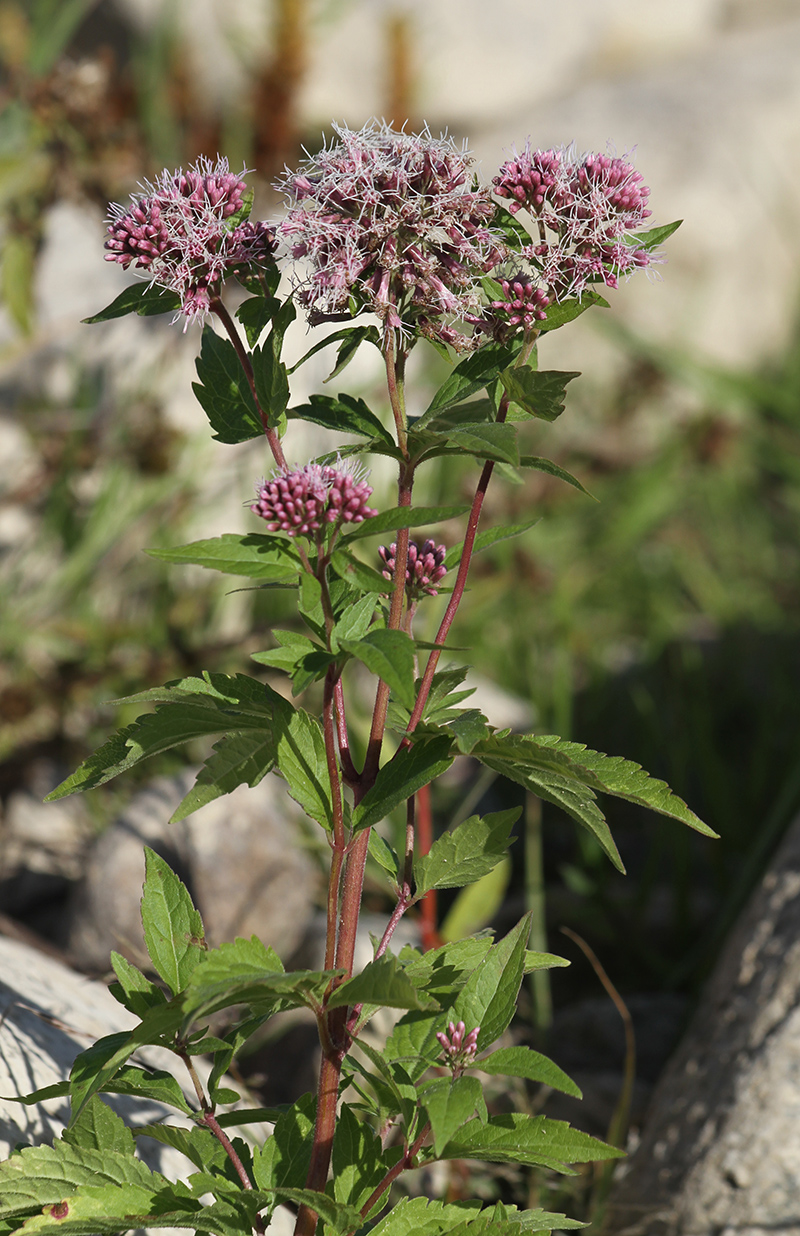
(493, 441)
(655, 236)
(223, 391)
(173, 929)
(552, 776)
(542, 961)
(402, 517)
(300, 758)
(146, 299)
(407, 771)
(245, 972)
(99, 1128)
(489, 997)
(254, 554)
(300, 657)
(531, 1140)
(484, 540)
(255, 316)
(449, 1105)
(464, 855)
(469, 726)
(539, 393)
(358, 1160)
(418, 1216)
(612, 774)
(237, 759)
(445, 970)
(191, 708)
(38, 1176)
(553, 469)
(356, 620)
(472, 374)
(334, 1214)
(95, 1067)
(471, 413)
(134, 990)
(561, 312)
(382, 982)
(272, 383)
(390, 656)
(283, 1161)
(476, 906)
(532, 1065)
(383, 855)
(342, 414)
(350, 339)
(148, 1084)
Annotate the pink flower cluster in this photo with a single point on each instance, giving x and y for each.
(458, 1047)
(391, 222)
(303, 501)
(181, 232)
(424, 569)
(585, 206)
(523, 305)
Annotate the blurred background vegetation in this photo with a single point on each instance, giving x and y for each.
(660, 622)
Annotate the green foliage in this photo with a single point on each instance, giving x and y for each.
(146, 299)
(535, 1140)
(254, 554)
(173, 929)
(223, 391)
(463, 856)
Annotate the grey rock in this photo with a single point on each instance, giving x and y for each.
(239, 855)
(720, 1149)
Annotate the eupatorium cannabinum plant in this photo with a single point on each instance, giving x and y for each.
(393, 235)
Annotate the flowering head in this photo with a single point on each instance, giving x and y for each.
(306, 501)
(391, 222)
(424, 567)
(184, 232)
(458, 1047)
(584, 207)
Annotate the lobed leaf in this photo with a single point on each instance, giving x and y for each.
(539, 393)
(237, 759)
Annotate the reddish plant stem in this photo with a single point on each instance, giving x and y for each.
(216, 306)
(210, 1121)
(348, 767)
(327, 1095)
(403, 1165)
(428, 905)
(338, 841)
(458, 588)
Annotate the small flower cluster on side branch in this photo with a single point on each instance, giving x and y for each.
(424, 568)
(305, 501)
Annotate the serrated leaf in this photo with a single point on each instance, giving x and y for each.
(383, 855)
(553, 469)
(272, 382)
(255, 315)
(381, 982)
(450, 1104)
(612, 774)
(407, 771)
(99, 1128)
(223, 391)
(468, 726)
(335, 1214)
(148, 1084)
(402, 517)
(473, 412)
(341, 414)
(284, 1159)
(356, 620)
(173, 929)
(245, 972)
(146, 299)
(254, 554)
(539, 393)
(134, 990)
(390, 656)
(419, 1216)
(94, 1068)
(476, 906)
(38, 1176)
(489, 997)
(237, 759)
(464, 855)
(199, 1145)
(300, 759)
(495, 441)
(551, 776)
(532, 1140)
(472, 374)
(358, 1160)
(530, 1064)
